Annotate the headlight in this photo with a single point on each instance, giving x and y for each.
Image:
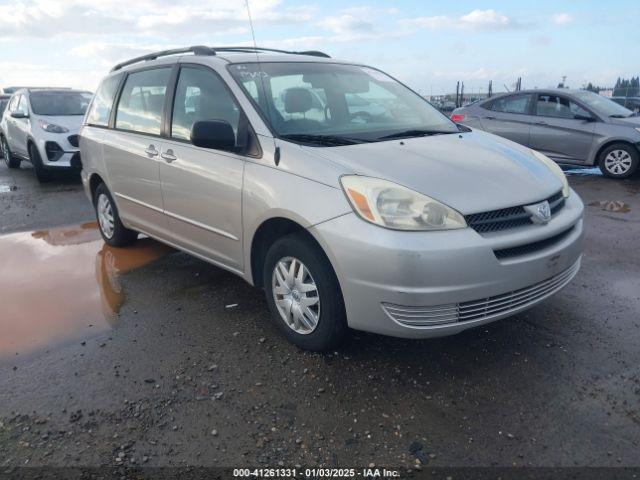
(557, 171)
(52, 127)
(393, 206)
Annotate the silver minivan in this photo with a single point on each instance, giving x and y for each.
(338, 190)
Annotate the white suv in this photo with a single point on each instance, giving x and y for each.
(41, 126)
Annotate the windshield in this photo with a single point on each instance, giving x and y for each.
(603, 105)
(60, 103)
(338, 103)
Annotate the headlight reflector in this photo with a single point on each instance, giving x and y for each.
(52, 127)
(557, 171)
(396, 207)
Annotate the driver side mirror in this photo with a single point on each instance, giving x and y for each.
(19, 115)
(586, 118)
(216, 134)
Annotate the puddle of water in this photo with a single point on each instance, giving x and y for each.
(7, 188)
(612, 206)
(63, 284)
(595, 171)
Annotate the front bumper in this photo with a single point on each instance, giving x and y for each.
(68, 157)
(429, 284)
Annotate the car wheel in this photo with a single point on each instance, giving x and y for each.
(9, 160)
(303, 294)
(111, 228)
(618, 160)
(41, 174)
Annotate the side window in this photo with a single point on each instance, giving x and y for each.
(512, 104)
(22, 105)
(100, 108)
(142, 99)
(559, 107)
(201, 95)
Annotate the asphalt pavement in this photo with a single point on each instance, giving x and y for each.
(152, 357)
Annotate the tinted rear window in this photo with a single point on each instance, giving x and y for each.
(103, 101)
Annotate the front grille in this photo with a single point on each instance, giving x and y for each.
(507, 218)
(531, 247)
(481, 309)
(73, 140)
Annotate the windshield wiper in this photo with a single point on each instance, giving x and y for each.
(413, 133)
(328, 140)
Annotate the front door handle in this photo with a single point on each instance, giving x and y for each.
(489, 117)
(541, 123)
(151, 151)
(168, 156)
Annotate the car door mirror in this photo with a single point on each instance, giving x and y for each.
(216, 134)
(19, 115)
(586, 118)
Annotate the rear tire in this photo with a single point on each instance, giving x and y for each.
(41, 174)
(308, 275)
(9, 159)
(113, 232)
(619, 160)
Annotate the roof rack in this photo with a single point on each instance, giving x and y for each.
(209, 51)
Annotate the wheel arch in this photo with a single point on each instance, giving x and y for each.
(598, 151)
(94, 180)
(269, 231)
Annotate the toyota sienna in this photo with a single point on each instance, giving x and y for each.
(338, 190)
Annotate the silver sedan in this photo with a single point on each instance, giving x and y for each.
(573, 127)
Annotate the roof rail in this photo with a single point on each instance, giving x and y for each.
(203, 50)
(313, 53)
(196, 50)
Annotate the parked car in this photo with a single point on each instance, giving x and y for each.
(41, 126)
(631, 103)
(4, 100)
(410, 226)
(573, 127)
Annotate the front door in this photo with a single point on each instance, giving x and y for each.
(202, 188)
(557, 132)
(132, 150)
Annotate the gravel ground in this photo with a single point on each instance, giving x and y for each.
(183, 377)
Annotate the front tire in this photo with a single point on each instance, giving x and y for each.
(619, 160)
(303, 294)
(41, 174)
(113, 232)
(9, 159)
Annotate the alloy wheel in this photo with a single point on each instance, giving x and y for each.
(105, 216)
(618, 162)
(296, 295)
(5, 151)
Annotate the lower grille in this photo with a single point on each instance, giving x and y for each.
(75, 160)
(531, 247)
(486, 308)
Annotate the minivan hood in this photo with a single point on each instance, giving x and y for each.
(70, 122)
(471, 172)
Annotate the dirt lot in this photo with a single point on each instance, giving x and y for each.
(153, 357)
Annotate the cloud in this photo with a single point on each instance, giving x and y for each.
(51, 18)
(474, 20)
(562, 18)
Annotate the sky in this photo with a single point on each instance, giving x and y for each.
(429, 45)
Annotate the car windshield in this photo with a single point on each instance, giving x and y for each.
(60, 103)
(336, 104)
(603, 105)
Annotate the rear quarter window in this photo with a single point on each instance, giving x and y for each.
(100, 109)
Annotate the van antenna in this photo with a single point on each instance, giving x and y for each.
(276, 149)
